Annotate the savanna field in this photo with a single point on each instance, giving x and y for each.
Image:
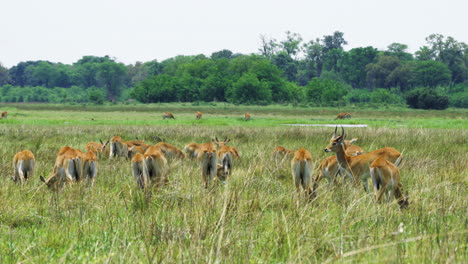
(256, 217)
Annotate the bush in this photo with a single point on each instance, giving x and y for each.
(459, 100)
(424, 98)
(383, 96)
(358, 96)
(96, 96)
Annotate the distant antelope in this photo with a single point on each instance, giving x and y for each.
(140, 170)
(198, 115)
(357, 167)
(280, 153)
(168, 115)
(4, 114)
(247, 116)
(345, 115)
(386, 179)
(302, 168)
(23, 164)
(208, 162)
(98, 148)
(156, 164)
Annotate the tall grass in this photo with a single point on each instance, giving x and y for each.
(255, 217)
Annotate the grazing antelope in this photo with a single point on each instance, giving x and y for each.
(208, 162)
(226, 154)
(170, 151)
(96, 147)
(280, 153)
(68, 167)
(198, 115)
(156, 164)
(23, 164)
(168, 115)
(4, 114)
(302, 167)
(89, 160)
(386, 179)
(357, 167)
(133, 150)
(140, 170)
(118, 147)
(345, 115)
(247, 116)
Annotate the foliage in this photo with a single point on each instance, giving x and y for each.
(326, 92)
(424, 98)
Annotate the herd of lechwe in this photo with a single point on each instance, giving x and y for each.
(149, 164)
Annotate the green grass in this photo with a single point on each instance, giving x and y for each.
(256, 217)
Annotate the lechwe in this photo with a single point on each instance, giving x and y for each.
(206, 153)
(280, 153)
(118, 147)
(140, 170)
(23, 164)
(170, 151)
(191, 150)
(226, 154)
(198, 115)
(168, 115)
(357, 167)
(302, 168)
(156, 164)
(89, 167)
(98, 148)
(247, 116)
(386, 179)
(68, 167)
(328, 167)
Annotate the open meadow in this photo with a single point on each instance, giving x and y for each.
(256, 217)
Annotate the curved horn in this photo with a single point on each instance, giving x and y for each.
(342, 131)
(216, 139)
(334, 133)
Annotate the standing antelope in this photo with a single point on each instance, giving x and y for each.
(302, 167)
(280, 153)
(345, 115)
(170, 151)
(98, 148)
(89, 167)
(386, 179)
(156, 164)
(140, 170)
(118, 147)
(68, 167)
(4, 114)
(191, 150)
(247, 116)
(226, 154)
(198, 115)
(168, 115)
(23, 164)
(357, 167)
(208, 162)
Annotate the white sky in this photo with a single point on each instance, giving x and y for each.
(143, 30)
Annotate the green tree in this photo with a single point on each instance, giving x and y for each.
(399, 50)
(4, 75)
(430, 73)
(111, 75)
(160, 88)
(353, 65)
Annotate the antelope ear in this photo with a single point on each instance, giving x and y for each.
(100, 140)
(353, 140)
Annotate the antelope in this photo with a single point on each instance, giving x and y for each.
(118, 147)
(89, 167)
(140, 170)
(226, 154)
(329, 168)
(208, 162)
(4, 114)
(96, 147)
(198, 115)
(281, 152)
(68, 167)
(357, 167)
(133, 150)
(156, 164)
(191, 150)
(170, 151)
(345, 115)
(23, 164)
(301, 168)
(386, 179)
(247, 116)
(168, 115)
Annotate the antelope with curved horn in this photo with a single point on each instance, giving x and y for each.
(357, 167)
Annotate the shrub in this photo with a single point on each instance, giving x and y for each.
(424, 98)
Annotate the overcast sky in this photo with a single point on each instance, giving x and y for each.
(144, 30)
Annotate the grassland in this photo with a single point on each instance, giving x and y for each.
(255, 217)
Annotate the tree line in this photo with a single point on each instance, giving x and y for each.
(317, 73)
